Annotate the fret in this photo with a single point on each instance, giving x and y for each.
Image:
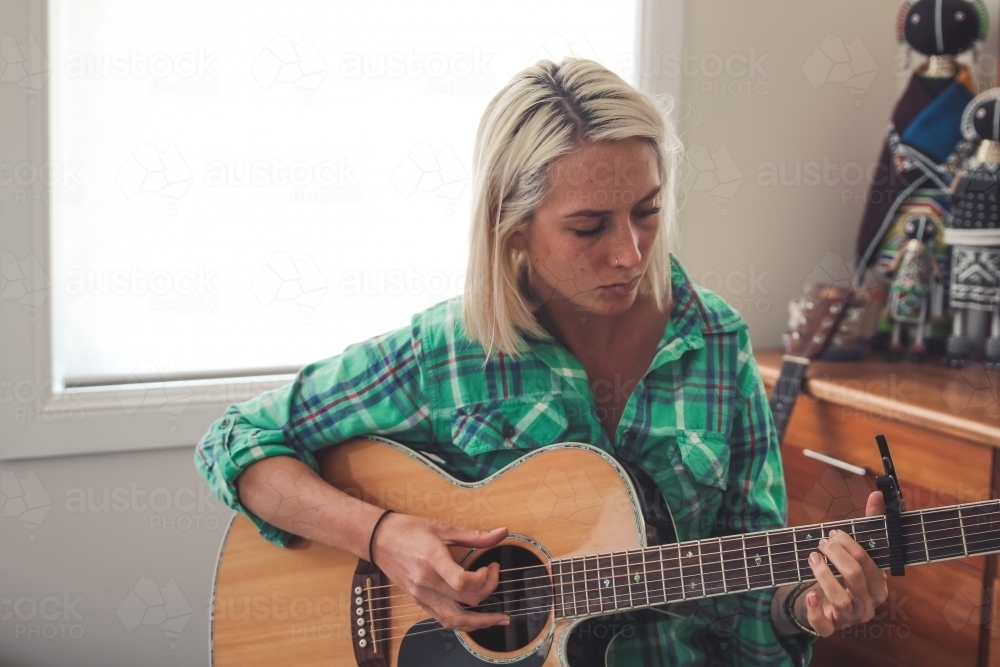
(591, 586)
(711, 567)
(560, 604)
(961, 525)
(746, 563)
(733, 569)
(807, 541)
(670, 568)
(655, 585)
(923, 531)
(638, 592)
(870, 533)
(759, 560)
(946, 536)
(795, 555)
(690, 564)
(770, 560)
(622, 583)
(680, 573)
(605, 582)
(982, 528)
(573, 586)
(784, 561)
(581, 595)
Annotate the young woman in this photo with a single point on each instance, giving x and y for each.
(577, 324)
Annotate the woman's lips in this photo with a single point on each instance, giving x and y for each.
(623, 288)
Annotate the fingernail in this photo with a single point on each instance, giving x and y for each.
(824, 540)
(811, 600)
(834, 532)
(815, 558)
(505, 621)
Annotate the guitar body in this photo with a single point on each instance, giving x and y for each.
(299, 605)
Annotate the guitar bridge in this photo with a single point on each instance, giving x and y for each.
(369, 611)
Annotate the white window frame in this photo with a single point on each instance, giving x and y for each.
(38, 421)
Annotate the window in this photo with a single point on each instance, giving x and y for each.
(232, 191)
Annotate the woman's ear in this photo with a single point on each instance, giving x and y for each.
(517, 241)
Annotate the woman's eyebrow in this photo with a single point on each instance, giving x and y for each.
(593, 213)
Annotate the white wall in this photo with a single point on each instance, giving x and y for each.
(777, 234)
(776, 115)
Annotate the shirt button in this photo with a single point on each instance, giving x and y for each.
(225, 423)
(629, 434)
(508, 431)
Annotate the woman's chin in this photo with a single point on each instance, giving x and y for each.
(609, 304)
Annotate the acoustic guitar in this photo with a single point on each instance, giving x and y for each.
(576, 550)
(815, 323)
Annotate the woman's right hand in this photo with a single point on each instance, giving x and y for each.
(413, 553)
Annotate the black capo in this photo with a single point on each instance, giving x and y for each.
(888, 484)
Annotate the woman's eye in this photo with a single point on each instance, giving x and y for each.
(589, 232)
(652, 211)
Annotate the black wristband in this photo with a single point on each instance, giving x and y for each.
(371, 540)
(789, 607)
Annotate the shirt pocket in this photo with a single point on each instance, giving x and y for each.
(705, 455)
(514, 423)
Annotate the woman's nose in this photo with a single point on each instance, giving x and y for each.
(624, 248)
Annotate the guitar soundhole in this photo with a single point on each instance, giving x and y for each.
(524, 593)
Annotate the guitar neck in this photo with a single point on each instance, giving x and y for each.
(601, 583)
(786, 391)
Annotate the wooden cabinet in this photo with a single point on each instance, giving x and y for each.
(942, 429)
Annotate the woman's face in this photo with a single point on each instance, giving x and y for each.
(589, 242)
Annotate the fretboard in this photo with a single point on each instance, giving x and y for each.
(603, 583)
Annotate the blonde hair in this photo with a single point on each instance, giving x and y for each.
(545, 112)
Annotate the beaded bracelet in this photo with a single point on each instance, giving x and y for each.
(371, 540)
(789, 608)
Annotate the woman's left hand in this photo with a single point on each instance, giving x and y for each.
(837, 602)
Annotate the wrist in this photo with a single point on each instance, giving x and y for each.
(797, 610)
(379, 522)
(790, 600)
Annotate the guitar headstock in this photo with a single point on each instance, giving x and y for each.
(814, 320)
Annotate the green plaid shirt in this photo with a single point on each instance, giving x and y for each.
(698, 422)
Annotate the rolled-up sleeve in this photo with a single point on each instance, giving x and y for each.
(373, 387)
(756, 500)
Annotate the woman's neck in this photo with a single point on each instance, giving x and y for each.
(588, 334)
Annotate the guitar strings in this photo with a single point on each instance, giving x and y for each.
(546, 579)
(788, 531)
(859, 530)
(668, 590)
